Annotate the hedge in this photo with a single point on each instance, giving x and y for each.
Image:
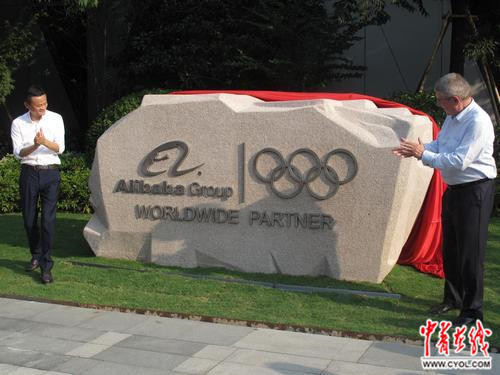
(113, 113)
(423, 101)
(74, 192)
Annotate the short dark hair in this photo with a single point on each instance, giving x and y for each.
(34, 90)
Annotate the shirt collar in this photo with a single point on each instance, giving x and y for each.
(459, 116)
(28, 118)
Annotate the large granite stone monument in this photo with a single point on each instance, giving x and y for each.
(220, 180)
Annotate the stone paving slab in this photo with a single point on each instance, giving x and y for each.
(134, 357)
(196, 366)
(238, 369)
(304, 344)
(16, 309)
(107, 368)
(141, 344)
(4, 334)
(14, 325)
(47, 361)
(62, 332)
(114, 321)
(215, 352)
(77, 366)
(188, 330)
(5, 368)
(186, 348)
(278, 360)
(65, 315)
(87, 350)
(397, 355)
(110, 338)
(27, 371)
(351, 368)
(18, 357)
(39, 343)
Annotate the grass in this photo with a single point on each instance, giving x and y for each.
(156, 289)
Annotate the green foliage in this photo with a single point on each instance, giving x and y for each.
(269, 44)
(6, 81)
(483, 40)
(496, 204)
(81, 4)
(73, 194)
(9, 184)
(17, 45)
(113, 113)
(423, 101)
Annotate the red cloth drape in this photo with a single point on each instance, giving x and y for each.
(423, 247)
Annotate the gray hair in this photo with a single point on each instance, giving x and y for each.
(453, 84)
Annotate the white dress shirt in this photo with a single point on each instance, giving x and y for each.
(463, 150)
(23, 133)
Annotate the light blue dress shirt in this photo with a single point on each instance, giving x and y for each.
(463, 150)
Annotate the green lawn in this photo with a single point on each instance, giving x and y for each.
(124, 286)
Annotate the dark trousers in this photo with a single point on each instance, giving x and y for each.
(43, 184)
(465, 215)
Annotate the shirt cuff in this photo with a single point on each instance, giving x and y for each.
(428, 158)
(61, 149)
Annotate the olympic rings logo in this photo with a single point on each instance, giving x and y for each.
(320, 167)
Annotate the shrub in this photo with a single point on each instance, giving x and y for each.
(9, 184)
(423, 101)
(73, 194)
(74, 191)
(109, 115)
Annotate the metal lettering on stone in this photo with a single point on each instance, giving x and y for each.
(152, 157)
(161, 204)
(320, 167)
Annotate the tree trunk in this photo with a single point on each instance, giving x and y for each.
(458, 35)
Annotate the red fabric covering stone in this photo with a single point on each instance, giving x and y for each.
(423, 247)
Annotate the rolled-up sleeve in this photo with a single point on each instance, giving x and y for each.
(17, 139)
(59, 135)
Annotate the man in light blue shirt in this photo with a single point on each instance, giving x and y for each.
(463, 152)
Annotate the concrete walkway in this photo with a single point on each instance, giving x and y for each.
(41, 338)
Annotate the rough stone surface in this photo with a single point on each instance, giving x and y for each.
(356, 234)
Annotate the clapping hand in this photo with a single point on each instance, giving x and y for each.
(39, 138)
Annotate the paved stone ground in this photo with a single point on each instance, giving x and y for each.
(41, 338)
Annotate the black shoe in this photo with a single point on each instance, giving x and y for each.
(31, 266)
(464, 321)
(47, 277)
(442, 308)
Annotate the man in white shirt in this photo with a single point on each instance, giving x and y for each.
(463, 152)
(38, 139)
